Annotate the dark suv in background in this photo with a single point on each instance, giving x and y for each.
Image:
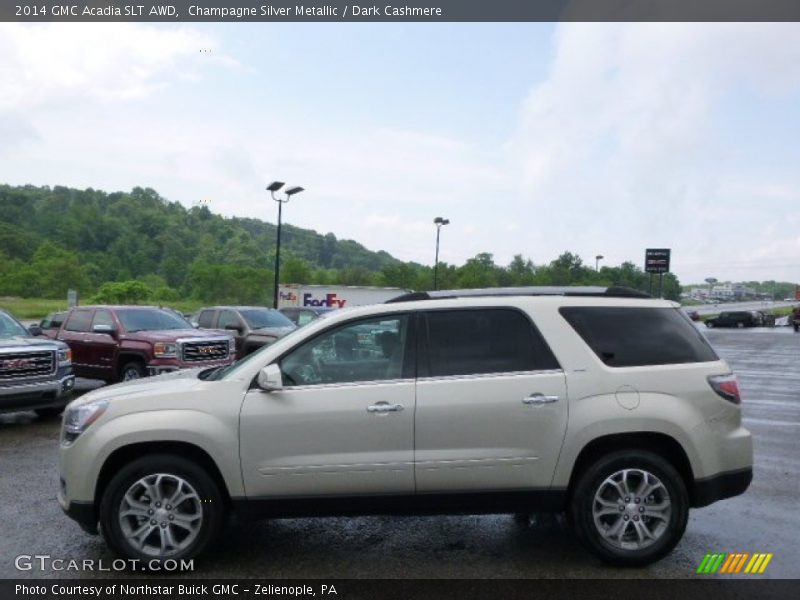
(251, 326)
(741, 318)
(119, 343)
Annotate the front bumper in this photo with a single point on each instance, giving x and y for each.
(81, 512)
(38, 394)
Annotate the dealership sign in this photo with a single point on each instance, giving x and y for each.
(656, 260)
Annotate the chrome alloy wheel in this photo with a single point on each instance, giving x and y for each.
(131, 374)
(160, 515)
(631, 509)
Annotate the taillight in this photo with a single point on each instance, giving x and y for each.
(726, 386)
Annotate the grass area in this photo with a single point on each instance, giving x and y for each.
(37, 308)
(31, 308)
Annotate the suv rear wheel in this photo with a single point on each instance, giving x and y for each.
(630, 508)
(161, 507)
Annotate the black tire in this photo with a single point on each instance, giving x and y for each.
(49, 412)
(582, 502)
(210, 506)
(132, 370)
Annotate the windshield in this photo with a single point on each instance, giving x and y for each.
(9, 327)
(150, 319)
(263, 317)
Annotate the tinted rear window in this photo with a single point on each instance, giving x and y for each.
(469, 342)
(633, 337)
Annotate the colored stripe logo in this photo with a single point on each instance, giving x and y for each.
(737, 562)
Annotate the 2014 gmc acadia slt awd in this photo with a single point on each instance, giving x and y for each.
(597, 402)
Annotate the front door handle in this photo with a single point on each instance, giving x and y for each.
(384, 407)
(538, 398)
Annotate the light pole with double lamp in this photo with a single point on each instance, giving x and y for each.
(597, 260)
(439, 222)
(272, 188)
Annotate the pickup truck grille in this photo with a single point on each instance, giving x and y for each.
(205, 350)
(19, 365)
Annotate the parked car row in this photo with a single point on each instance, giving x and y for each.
(120, 343)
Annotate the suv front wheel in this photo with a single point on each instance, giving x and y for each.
(161, 507)
(630, 508)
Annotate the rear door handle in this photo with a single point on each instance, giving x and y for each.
(538, 398)
(384, 407)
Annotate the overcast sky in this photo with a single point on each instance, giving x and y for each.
(531, 138)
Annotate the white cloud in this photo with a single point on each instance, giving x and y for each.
(51, 64)
(621, 147)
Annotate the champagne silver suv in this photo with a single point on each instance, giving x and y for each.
(600, 403)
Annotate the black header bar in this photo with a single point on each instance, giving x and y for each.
(400, 10)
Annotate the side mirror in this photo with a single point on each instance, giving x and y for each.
(232, 327)
(107, 329)
(35, 330)
(195, 324)
(270, 378)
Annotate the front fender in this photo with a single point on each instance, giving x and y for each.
(216, 436)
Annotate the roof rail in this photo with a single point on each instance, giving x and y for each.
(595, 291)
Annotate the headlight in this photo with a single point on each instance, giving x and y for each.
(64, 357)
(231, 346)
(78, 419)
(165, 350)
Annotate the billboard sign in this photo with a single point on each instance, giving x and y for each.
(656, 260)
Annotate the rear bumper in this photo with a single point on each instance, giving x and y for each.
(39, 394)
(718, 487)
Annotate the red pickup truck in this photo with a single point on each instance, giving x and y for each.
(120, 343)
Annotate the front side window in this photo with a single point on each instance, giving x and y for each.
(366, 350)
(103, 317)
(633, 336)
(206, 319)
(484, 341)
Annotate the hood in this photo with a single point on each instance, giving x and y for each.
(274, 331)
(33, 342)
(177, 380)
(170, 335)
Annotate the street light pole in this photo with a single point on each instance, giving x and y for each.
(597, 260)
(272, 188)
(439, 222)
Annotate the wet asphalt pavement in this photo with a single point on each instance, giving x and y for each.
(765, 519)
